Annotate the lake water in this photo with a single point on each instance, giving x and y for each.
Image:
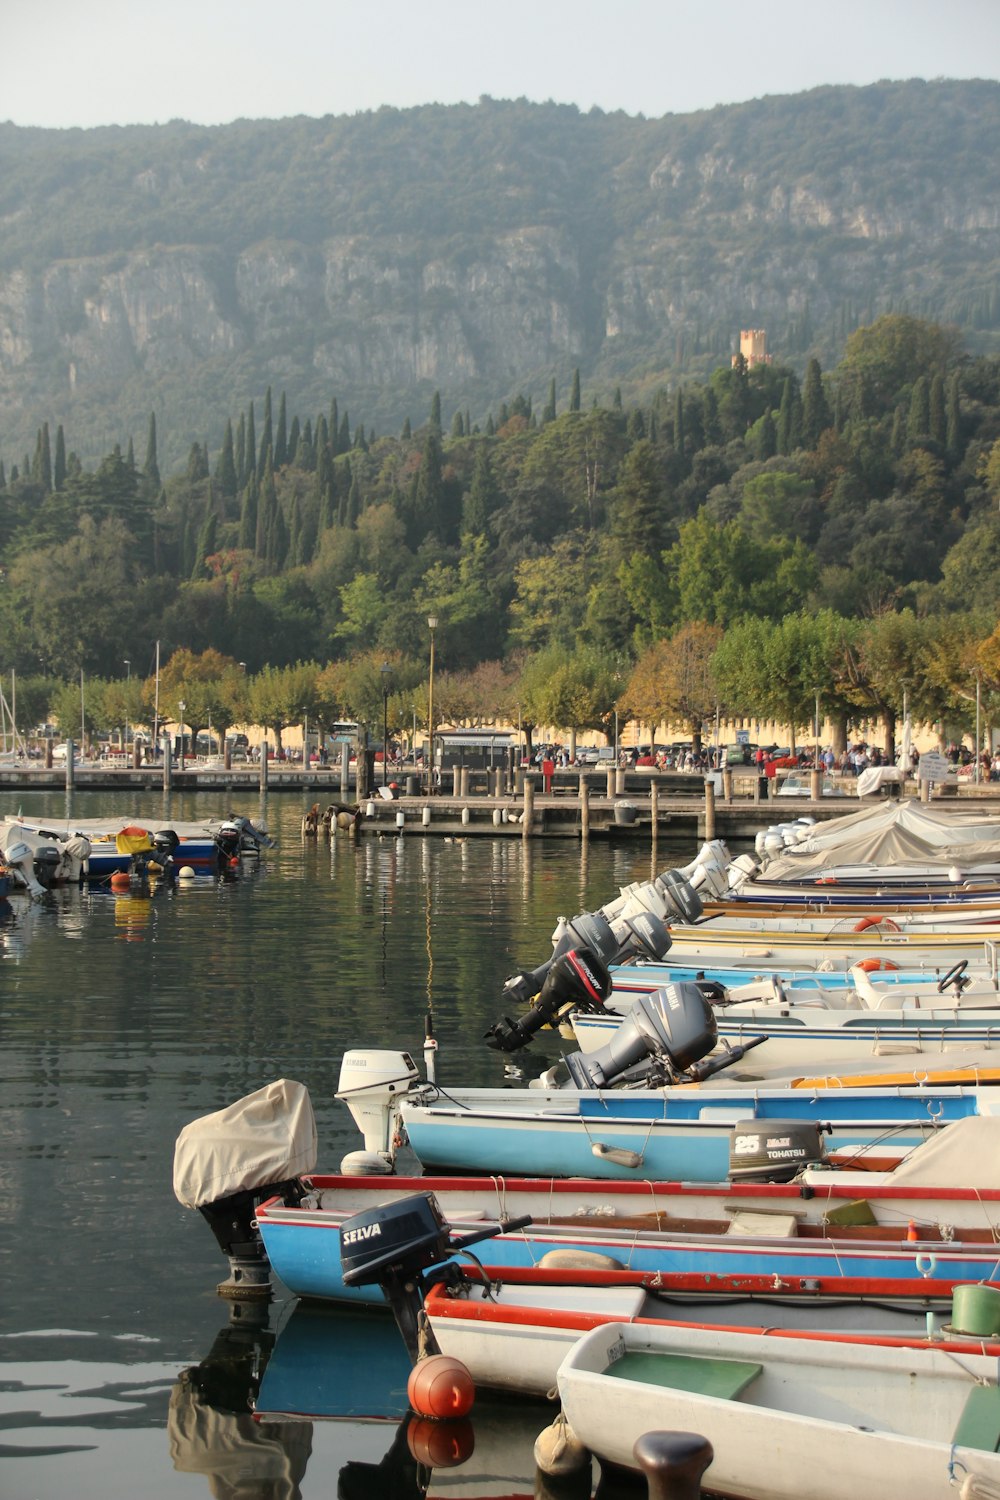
(124, 1017)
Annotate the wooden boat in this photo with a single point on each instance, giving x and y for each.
(899, 1225)
(791, 1419)
(512, 1328)
(93, 849)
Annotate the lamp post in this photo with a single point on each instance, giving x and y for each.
(386, 671)
(128, 685)
(182, 706)
(432, 621)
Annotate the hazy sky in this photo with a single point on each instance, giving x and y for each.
(96, 62)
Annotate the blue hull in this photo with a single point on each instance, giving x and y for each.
(307, 1258)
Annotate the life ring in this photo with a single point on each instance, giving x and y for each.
(826, 880)
(872, 965)
(885, 923)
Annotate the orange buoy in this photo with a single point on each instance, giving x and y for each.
(885, 923)
(872, 965)
(911, 1232)
(120, 880)
(440, 1445)
(440, 1387)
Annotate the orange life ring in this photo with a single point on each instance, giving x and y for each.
(826, 880)
(867, 922)
(872, 965)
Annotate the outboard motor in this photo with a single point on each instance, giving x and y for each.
(680, 895)
(664, 1038)
(577, 980)
(47, 865)
(371, 1082)
(773, 1150)
(165, 843)
(226, 1164)
(20, 858)
(395, 1245)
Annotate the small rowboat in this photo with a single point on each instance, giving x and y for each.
(790, 1419)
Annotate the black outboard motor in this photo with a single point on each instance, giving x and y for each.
(642, 935)
(577, 980)
(395, 1245)
(46, 864)
(665, 1037)
(232, 1221)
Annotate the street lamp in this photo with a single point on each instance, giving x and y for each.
(386, 671)
(432, 621)
(182, 706)
(128, 684)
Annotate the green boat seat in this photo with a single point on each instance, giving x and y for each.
(699, 1374)
(979, 1424)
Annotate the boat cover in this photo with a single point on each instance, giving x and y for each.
(965, 1155)
(266, 1137)
(892, 833)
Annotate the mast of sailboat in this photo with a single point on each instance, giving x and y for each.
(156, 702)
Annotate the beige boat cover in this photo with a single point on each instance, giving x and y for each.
(892, 833)
(266, 1137)
(965, 1154)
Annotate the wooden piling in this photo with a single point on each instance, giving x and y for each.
(70, 769)
(529, 807)
(709, 809)
(263, 767)
(584, 809)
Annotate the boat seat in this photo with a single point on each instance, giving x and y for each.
(725, 1379)
(979, 1424)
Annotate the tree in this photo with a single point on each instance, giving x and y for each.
(894, 351)
(150, 466)
(673, 681)
(225, 472)
(816, 416)
(574, 396)
(637, 513)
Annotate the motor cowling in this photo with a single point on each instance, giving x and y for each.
(47, 863)
(576, 980)
(675, 1026)
(773, 1150)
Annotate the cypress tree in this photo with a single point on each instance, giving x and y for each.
(407, 431)
(326, 506)
(333, 426)
(251, 444)
(293, 440)
(295, 535)
(458, 425)
(225, 471)
(307, 450)
(767, 442)
(897, 439)
(14, 473)
(483, 497)
(267, 510)
(790, 417)
(953, 427)
(360, 442)
(266, 437)
(130, 456)
(240, 455)
(59, 463)
(435, 417)
(353, 501)
(679, 434)
(574, 395)
(815, 408)
(248, 518)
(3, 476)
(206, 543)
(637, 516)
(938, 421)
(344, 436)
(710, 418)
(616, 400)
(281, 436)
(918, 421)
(549, 413)
(490, 429)
(151, 468)
(45, 460)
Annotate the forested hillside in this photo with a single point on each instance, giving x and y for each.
(478, 251)
(740, 543)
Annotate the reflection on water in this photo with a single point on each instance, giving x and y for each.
(123, 1017)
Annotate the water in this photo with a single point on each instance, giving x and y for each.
(124, 1017)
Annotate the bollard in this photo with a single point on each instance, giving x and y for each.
(463, 781)
(654, 807)
(816, 785)
(584, 809)
(400, 819)
(727, 786)
(612, 775)
(529, 807)
(455, 781)
(263, 767)
(345, 770)
(49, 744)
(136, 754)
(709, 809)
(619, 783)
(925, 791)
(425, 816)
(466, 815)
(411, 786)
(498, 778)
(497, 817)
(168, 764)
(673, 1463)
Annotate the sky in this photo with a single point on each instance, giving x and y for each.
(100, 62)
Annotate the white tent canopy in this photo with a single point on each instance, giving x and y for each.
(893, 833)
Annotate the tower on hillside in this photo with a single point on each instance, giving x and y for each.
(753, 347)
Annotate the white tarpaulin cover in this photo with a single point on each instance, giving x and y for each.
(966, 1154)
(892, 833)
(266, 1137)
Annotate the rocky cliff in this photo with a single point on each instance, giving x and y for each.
(476, 250)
